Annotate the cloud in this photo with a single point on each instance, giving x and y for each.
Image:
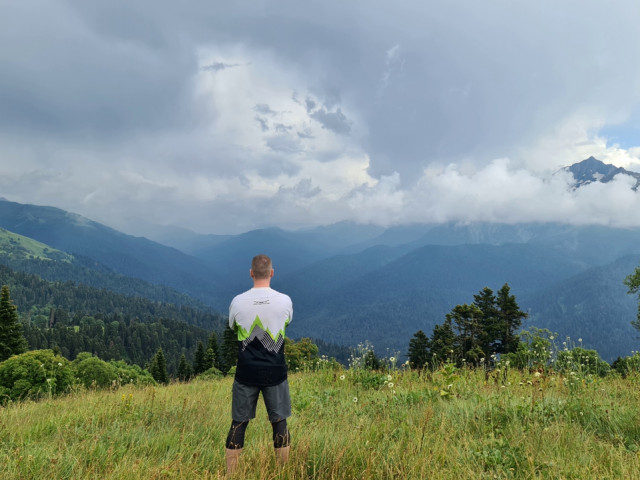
(335, 121)
(236, 115)
(219, 66)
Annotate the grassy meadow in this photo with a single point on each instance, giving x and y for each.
(351, 424)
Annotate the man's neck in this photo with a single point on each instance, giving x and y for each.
(262, 283)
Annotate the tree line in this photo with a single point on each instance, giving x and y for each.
(471, 332)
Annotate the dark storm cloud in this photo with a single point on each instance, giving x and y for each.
(106, 96)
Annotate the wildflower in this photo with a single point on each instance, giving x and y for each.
(537, 374)
(390, 385)
(392, 359)
(355, 399)
(449, 386)
(341, 377)
(550, 337)
(579, 340)
(59, 364)
(389, 377)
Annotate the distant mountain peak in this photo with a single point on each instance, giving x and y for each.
(593, 170)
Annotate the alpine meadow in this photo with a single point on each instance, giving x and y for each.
(423, 351)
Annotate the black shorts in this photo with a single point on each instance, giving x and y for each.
(245, 398)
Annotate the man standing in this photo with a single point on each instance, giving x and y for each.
(260, 316)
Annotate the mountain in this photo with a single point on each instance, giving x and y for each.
(389, 303)
(124, 254)
(593, 306)
(593, 170)
(17, 246)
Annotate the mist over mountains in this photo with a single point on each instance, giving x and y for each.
(352, 282)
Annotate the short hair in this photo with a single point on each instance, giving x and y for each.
(261, 267)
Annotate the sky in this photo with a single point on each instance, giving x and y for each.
(222, 117)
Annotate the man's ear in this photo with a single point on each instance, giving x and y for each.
(271, 276)
(251, 273)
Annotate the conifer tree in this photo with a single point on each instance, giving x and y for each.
(184, 369)
(214, 356)
(633, 283)
(419, 350)
(442, 342)
(158, 368)
(229, 350)
(200, 360)
(12, 341)
(510, 317)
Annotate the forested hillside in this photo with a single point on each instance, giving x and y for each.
(77, 318)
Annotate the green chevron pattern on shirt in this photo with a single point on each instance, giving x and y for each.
(244, 334)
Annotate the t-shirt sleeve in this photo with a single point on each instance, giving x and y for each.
(232, 314)
(290, 317)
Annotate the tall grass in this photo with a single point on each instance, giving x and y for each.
(346, 424)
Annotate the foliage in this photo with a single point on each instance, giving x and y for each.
(529, 427)
(582, 361)
(34, 374)
(12, 340)
(626, 366)
(300, 355)
(131, 374)
(474, 332)
(633, 283)
(535, 349)
(158, 368)
(94, 373)
(229, 351)
(184, 369)
(419, 348)
(200, 360)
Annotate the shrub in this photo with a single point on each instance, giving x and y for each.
(95, 373)
(580, 360)
(211, 373)
(131, 373)
(34, 374)
(627, 365)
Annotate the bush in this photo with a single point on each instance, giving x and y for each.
(211, 373)
(582, 361)
(34, 374)
(131, 373)
(627, 365)
(95, 373)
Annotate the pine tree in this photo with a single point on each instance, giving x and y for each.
(419, 350)
(158, 368)
(229, 350)
(200, 360)
(442, 342)
(12, 341)
(214, 356)
(184, 369)
(633, 284)
(510, 317)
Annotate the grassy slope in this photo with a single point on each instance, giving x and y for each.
(481, 429)
(17, 246)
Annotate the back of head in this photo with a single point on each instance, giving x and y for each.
(261, 267)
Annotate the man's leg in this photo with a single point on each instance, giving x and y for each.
(235, 443)
(281, 441)
(243, 408)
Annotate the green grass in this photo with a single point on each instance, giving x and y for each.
(17, 246)
(453, 424)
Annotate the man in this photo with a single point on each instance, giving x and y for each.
(260, 316)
